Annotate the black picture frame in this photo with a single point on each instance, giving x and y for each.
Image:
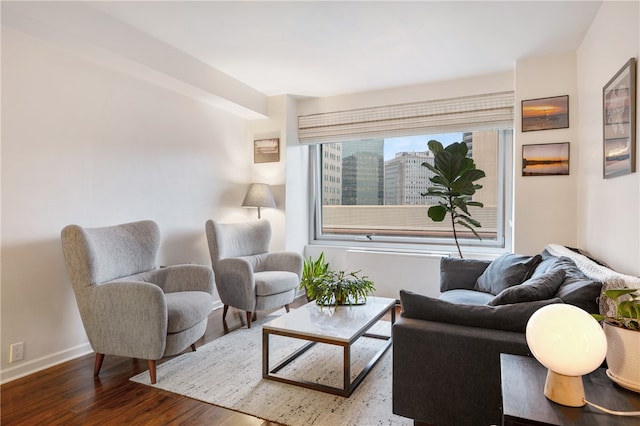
(266, 150)
(619, 122)
(546, 159)
(545, 113)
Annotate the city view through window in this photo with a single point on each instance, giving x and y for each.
(373, 187)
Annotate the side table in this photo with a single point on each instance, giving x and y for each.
(524, 403)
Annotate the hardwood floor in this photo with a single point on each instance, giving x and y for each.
(68, 394)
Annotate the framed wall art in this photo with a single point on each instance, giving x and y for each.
(266, 150)
(549, 159)
(619, 116)
(545, 113)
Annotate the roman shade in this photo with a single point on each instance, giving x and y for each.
(478, 112)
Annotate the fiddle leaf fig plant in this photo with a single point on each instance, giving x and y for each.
(627, 311)
(454, 183)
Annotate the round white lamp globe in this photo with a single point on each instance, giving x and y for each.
(569, 342)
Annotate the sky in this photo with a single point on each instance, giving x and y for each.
(416, 143)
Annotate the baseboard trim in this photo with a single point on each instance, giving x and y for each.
(29, 367)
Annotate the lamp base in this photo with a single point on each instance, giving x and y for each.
(564, 390)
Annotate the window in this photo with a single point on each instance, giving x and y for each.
(369, 188)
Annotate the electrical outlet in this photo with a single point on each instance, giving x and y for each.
(16, 352)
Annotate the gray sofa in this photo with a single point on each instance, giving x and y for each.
(446, 351)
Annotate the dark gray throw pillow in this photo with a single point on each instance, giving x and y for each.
(541, 287)
(460, 273)
(505, 317)
(506, 271)
(577, 289)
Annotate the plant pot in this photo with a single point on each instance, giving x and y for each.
(341, 302)
(623, 356)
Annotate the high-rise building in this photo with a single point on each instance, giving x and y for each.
(363, 172)
(405, 179)
(331, 174)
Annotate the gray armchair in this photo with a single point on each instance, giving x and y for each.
(248, 277)
(129, 306)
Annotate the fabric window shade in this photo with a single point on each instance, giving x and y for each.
(482, 112)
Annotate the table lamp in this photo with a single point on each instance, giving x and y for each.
(258, 195)
(570, 343)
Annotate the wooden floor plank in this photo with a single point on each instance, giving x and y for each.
(69, 395)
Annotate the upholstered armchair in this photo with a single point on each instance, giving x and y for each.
(130, 307)
(248, 276)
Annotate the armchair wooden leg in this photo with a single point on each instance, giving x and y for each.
(255, 316)
(248, 319)
(193, 347)
(152, 370)
(98, 364)
(224, 311)
(286, 307)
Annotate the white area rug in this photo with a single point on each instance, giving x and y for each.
(228, 372)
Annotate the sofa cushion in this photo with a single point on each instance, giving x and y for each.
(458, 273)
(512, 317)
(576, 289)
(274, 282)
(466, 297)
(506, 271)
(186, 309)
(541, 287)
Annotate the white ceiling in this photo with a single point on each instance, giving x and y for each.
(234, 53)
(329, 48)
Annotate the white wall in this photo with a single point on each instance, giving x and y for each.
(608, 210)
(87, 145)
(545, 206)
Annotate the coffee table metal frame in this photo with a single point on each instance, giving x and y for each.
(386, 305)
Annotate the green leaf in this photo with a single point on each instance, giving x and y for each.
(435, 146)
(459, 148)
(614, 294)
(475, 204)
(449, 165)
(437, 213)
(629, 309)
(472, 174)
(471, 229)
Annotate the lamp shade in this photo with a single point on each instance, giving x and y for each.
(570, 343)
(566, 339)
(259, 195)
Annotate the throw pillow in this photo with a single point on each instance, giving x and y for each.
(506, 271)
(460, 273)
(577, 289)
(505, 317)
(540, 287)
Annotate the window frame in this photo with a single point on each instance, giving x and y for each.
(503, 242)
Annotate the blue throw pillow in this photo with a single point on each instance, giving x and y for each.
(541, 287)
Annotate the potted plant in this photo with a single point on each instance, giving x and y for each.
(313, 272)
(453, 182)
(623, 337)
(329, 287)
(341, 288)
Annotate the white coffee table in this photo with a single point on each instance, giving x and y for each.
(342, 327)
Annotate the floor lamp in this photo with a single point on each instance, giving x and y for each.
(259, 195)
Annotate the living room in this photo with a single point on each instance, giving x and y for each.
(95, 136)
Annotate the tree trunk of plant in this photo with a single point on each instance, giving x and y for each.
(453, 225)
